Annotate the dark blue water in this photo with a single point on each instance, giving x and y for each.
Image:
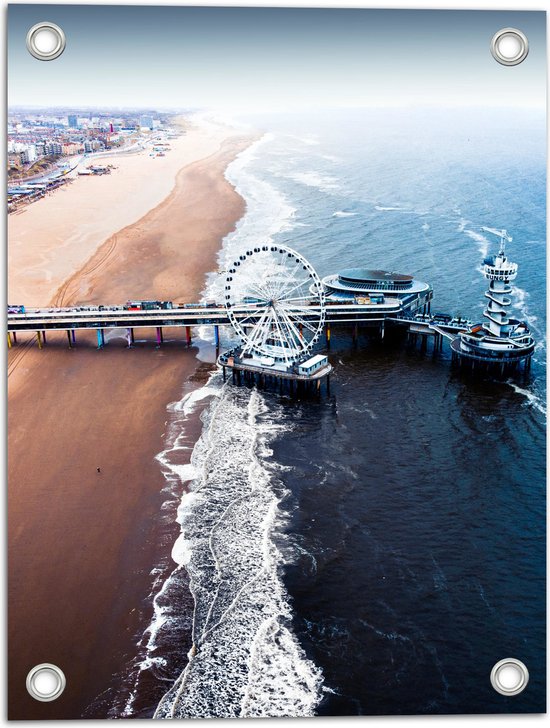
(379, 550)
(417, 497)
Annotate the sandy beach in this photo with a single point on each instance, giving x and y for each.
(51, 239)
(82, 543)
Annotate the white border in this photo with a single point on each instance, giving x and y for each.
(513, 721)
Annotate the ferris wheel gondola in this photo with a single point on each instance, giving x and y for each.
(275, 302)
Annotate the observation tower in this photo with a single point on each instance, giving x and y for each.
(502, 341)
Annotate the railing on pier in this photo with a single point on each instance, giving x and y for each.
(431, 325)
(50, 319)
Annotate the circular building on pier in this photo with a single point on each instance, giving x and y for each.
(352, 283)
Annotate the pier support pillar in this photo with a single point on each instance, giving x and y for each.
(130, 336)
(39, 339)
(44, 336)
(188, 335)
(159, 335)
(217, 336)
(9, 340)
(223, 369)
(328, 335)
(69, 339)
(100, 338)
(14, 337)
(382, 329)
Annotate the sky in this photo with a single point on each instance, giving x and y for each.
(244, 59)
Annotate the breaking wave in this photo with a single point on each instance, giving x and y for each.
(323, 182)
(245, 660)
(533, 400)
(267, 213)
(520, 303)
(158, 656)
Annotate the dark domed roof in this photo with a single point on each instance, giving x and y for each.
(365, 275)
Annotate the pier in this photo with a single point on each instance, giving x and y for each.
(283, 313)
(100, 319)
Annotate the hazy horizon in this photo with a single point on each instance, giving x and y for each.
(243, 59)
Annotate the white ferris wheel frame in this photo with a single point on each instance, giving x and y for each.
(274, 311)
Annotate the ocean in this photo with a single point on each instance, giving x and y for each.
(375, 551)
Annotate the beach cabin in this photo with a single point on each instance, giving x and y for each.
(309, 367)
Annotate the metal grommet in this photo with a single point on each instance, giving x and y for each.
(509, 46)
(46, 682)
(45, 41)
(509, 676)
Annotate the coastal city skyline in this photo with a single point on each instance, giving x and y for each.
(46, 147)
(234, 59)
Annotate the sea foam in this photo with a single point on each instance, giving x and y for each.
(156, 647)
(246, 660)
(268, 213)
(532, 399)
(323, 182)
(343, 213)
(483, 243)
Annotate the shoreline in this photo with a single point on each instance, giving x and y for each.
(82, 543)
(52, 239)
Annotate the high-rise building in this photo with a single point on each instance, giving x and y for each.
(73, 121)
(52, 149)
(28, 154)
(71, 148)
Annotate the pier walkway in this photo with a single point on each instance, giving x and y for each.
(101, 318)
(432, 325)
(93, 317)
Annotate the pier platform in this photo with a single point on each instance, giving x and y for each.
(253, 371)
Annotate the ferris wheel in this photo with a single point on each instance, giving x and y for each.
(275, 302)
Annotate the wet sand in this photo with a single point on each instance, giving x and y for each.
(82, 543)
